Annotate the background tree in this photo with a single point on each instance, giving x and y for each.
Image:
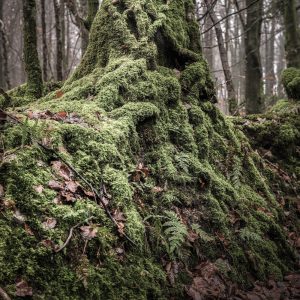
(232, 101)
(31, 59)
(254, 85)
(292, 34)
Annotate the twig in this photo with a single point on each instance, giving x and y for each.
(229, 15)
(3, 295)
(71, 234)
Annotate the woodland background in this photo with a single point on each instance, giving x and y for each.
(63, 37)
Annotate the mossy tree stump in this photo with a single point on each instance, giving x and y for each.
(141, 102)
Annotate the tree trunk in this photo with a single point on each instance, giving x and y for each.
(270, 59)
(84, 25)
(292, 35)
(31, 60)
(232, 102)
(254, 92)
(59, 48)
(44, 41)
(1, 46)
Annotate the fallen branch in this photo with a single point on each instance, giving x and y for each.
(3, 295)
(71, 234)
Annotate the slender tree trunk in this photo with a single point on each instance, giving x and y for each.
(84, 25)
(63, 36)
(253, 93)
(292, 35)
(93, 6)
(44, 41)
(1, 46)
(59, 50)
(32, 65)
(270, 58)
(224, 60)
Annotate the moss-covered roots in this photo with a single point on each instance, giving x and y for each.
(147, 128)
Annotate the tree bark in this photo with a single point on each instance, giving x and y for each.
(84, 25)
(232, 102)
(1, 46)
(44, 41)
(59, 48)
(31, 60)
(254, 92)
(270, 58)
(292, 35)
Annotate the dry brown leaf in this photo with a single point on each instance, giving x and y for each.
(55, 185)
(88, 232)
(39, 189)
(50, 223)
(69, 197)
(19, 217)
(28, 229)
(59, 94)
(157, 189)
(62, 170)
(23, 289)
(72, 186)
(119, 216)
(1, 191)
(48, 244)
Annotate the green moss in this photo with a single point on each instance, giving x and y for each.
(152, 135)
(291, 82)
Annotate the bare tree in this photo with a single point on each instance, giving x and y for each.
(224, 58)
(292, 35)
(59, 46)
(254, 91)
(32, 65)
(44, 41)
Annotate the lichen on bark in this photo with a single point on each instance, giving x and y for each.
(143, 99)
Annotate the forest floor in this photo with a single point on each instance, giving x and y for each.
(264, 133)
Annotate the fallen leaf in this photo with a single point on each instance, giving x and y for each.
(157, 189)
(119, 251)
(59, 94)
(61, 169)
(72, 186)
(23, 289)
(50, 223)
(61, 115)
(19, 217)
(69, 197)
(28, 229)
(9, 203)
(119, 216)
(39, 189)
(48, 244)
(1, 191)
(88, 232)
(55, 185)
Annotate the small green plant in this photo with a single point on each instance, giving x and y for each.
(201, 233)
(175, 232)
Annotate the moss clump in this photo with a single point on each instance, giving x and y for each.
(291, 82)
(153, 137)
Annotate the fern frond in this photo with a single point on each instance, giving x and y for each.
(175, 232)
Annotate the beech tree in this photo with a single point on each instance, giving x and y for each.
(254, 87)
(292, 33)
(32, 64)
